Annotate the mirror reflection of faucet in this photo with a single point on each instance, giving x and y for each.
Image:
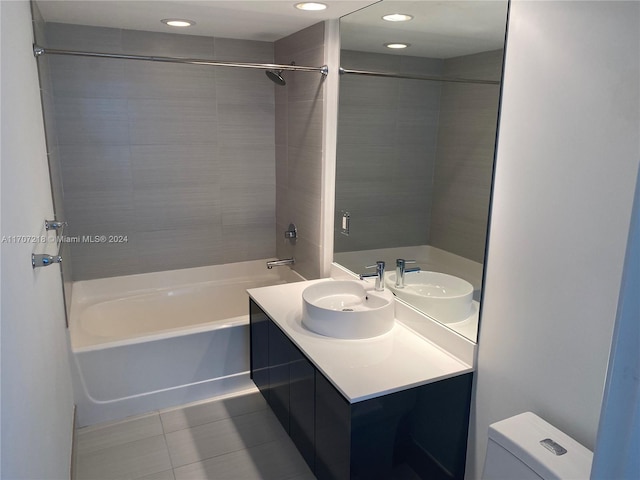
(379, 266)
(401, 269)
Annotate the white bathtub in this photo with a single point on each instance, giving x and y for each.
(144, 342)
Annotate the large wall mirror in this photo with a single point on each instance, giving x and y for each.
(416, 137)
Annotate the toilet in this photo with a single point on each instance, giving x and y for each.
(525, 447)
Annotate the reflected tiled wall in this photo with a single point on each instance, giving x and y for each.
(387, 129)
(415, 158)
(179, 158)
(299, 119)
(464, 159)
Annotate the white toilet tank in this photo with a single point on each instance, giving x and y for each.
(525, 447)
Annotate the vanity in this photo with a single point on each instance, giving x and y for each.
(362, 408)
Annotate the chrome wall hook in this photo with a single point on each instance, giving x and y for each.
(44, 260)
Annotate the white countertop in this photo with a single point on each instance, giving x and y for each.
(359, 369)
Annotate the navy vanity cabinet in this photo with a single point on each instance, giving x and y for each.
(279, 356)
(286, 379)
(302, 405)
(333, 432)
(259, 348)
(424, 428)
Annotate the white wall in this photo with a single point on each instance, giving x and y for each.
(565, 176)
(37, 404)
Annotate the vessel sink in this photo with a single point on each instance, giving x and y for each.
(345, 309)
(444, 297)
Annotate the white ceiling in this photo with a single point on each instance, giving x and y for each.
(439, 29)
(264, 20)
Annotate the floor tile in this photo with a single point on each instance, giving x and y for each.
(223, 436)
(275, 460)
(130, 460)
(98, 437)
(166, 475)
(199, 414)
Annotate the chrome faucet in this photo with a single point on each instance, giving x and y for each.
(379, 266)
(279, 263)
(401, 269)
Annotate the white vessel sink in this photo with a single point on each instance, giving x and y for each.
(444, 297)
(344, 309)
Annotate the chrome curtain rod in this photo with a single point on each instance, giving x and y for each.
(39, 51)
(432, 78)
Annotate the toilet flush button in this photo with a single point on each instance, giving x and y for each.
(553, 447)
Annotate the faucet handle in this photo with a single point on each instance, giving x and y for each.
(402, 261)
(379, 264)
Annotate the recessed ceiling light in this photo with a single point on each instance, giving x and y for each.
(178, 22)
(397, 17)
(311, 6)
(397, 45)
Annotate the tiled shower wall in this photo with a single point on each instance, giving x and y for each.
(180, 159)
(299, 119)
(415, 158)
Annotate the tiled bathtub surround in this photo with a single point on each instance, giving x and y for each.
(179, 158)
(299, 118)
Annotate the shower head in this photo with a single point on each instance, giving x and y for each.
(276, 77)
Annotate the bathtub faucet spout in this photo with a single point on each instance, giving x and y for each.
(278, 263)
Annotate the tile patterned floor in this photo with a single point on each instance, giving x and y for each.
(234, 438)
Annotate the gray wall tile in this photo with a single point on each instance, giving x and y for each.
(248, 51)
(248, 242)
(180, 158)
(166, 80)
(298, 136)
(91, 121)
(186, 206)
(98, 260)
(99, 212)
(178, 248)
(309, 38)
(305, 123)
(84, 38)
(172, 121)
(83, 77)
(161, 166)
(242, 123)
(167, 44)
(243, 86)
(96, 167)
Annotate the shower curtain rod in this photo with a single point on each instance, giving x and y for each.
(432, 78)
(39, 51)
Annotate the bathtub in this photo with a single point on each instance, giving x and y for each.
(145, 342)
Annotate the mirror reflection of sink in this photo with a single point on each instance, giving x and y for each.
(344, 309)
(444, 297)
